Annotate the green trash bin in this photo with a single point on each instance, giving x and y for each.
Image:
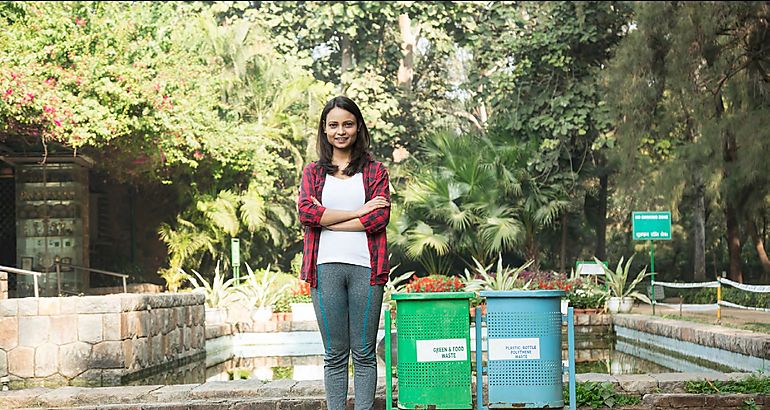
(433, 349)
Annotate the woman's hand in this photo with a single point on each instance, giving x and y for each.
(374, 203)
(316, 201)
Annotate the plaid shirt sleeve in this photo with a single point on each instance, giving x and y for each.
(378, 219)
(309, 213)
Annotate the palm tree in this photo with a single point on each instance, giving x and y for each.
(456, 205)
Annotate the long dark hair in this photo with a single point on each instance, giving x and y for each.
(359, 155)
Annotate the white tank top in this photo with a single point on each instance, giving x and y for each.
(338, 246)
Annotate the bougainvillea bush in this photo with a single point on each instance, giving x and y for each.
(434, 283)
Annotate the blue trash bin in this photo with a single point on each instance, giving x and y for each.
(524, 357)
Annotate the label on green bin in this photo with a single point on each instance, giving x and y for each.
(441, 350)
(514, 349)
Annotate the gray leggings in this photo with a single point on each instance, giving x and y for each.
(348, 308)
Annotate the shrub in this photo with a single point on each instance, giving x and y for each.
(434, 283)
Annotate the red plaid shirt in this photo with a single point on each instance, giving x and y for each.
(376, 183)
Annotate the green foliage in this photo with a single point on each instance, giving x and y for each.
(261, 288)
(620, 284)
(503, 278)
(219, 292)
(587, 296)
(434, 283)
(174, 278)
(109, 75)
(755, 383)
(597, 395)
(396, 284)
(730, 294)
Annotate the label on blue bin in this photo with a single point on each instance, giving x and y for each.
(514, 349)
(441, 350)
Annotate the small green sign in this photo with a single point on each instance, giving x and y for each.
(651, 226)
(235, 246)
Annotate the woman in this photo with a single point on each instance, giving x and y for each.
(344, 205)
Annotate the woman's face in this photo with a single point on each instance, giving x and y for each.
(341, 128)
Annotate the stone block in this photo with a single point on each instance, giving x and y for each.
(34, 331)
(64, 329)
(674, 401)
(261, 404)
(99, 304)
(89, 378)
(309, 403)
(107, 355)
(170, 393)
(49, 306)
(164, 346)
(74, 358)
(128, 354)
(670, 382)
(198, 315)
(28, 307)
(180, 315)
(9, 307)
(112, 377)
(156, 350)
(636, 383)
(111, 327)
(68, 306)
(141, 352)
(90, 328)
(116, 395)
(9, 333)
(227, 389)
(21, 362)
(46, 360)
(132, 302)
(308, 388)
(278, 388)
(173, 341)
(20, 399)
(3, 363)
(187, 338)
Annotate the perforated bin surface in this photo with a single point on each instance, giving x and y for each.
(433, 333)
(524, 342)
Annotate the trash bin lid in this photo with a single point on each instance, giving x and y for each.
(432, 295)
(522, 293)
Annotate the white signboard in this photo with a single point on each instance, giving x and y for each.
(441, 350)
(514, 349)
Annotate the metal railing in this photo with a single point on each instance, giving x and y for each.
(58, 266)
(103, 272)
(23, 272)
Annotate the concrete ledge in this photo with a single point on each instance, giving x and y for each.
(732, 340)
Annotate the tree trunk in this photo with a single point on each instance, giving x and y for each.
(601, 224)
(563, 250)
(347, 56)
(729, 155)
(759, 245)
(699, 226)
(409, 38)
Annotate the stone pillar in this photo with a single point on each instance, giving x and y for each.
(3, 285)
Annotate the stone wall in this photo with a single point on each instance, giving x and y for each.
(96, 340)
(733, 340)
(3, 285)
